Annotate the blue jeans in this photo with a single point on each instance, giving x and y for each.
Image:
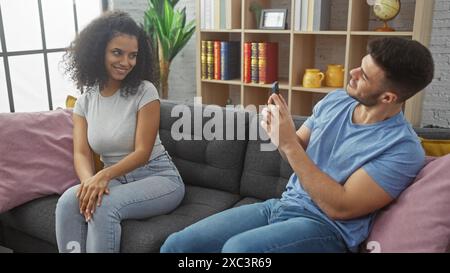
(267, 227)
(150, 190)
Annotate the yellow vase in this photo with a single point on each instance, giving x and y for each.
(313, 78)
(335, 75)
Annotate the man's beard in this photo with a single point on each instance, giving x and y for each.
(369, 101)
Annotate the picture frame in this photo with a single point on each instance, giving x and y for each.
(273, 19)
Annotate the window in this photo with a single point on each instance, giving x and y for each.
(4, 103)
(34, 35)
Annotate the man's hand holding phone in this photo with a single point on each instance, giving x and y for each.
(277, 120)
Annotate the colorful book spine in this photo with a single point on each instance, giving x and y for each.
(304, 15)
(210, 59)
(235, 60)
(217, 64)
(262, 61)
(297, 16)
(223, 14)
(311, 4)
(217, 14)
(225, 61)
(271, 63)
(203, 60)
(230, 55)
(254, 64)
(247, 62)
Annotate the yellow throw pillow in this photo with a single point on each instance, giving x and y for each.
(435, 147)
(70, 101)
(98, 164)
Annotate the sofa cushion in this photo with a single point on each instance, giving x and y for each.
(20, 242)
(265, 174)
(39, 161)
(148, 235)
(419, 220)
(212, 164)
(247, 201)
(433, 133)
(36, 218)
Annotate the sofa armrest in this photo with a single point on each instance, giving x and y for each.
(433, 133)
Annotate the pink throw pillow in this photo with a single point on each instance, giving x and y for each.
(419, 220)
(36, 156)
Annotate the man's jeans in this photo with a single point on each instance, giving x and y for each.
(266, 227)
(150, 190)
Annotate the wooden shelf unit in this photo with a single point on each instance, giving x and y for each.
(299, 50)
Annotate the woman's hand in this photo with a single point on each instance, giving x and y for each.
(91, 192)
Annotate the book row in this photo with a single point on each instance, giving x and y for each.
(220, 60)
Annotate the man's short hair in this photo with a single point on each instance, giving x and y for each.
(408, 65)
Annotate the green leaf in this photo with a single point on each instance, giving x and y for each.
(182, 42)
(168, 26)
(183, 17)
(168, 16)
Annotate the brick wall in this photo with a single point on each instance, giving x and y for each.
(436, 107)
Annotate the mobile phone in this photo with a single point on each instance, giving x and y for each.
(275, 88)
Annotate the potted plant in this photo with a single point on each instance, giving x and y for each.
(168, 29)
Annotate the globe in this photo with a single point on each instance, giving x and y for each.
(385, 10)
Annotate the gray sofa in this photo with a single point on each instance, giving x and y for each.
(218, 175)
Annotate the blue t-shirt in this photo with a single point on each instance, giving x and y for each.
(389, 151)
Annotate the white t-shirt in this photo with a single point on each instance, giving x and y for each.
(112, 121)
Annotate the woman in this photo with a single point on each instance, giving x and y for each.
(118, 118)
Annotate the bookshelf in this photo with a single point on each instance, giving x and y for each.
(345, 42)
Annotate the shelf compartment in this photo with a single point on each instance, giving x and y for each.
(302, 103)
(250, 20)
(283, 41)
(232, 13)
(219, 94)
(337, 16)
(220, 36)
(363, 18)
(307, 55)
(256, 97)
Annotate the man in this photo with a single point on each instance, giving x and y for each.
(352, 157)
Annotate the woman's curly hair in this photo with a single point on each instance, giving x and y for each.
(85, 59)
